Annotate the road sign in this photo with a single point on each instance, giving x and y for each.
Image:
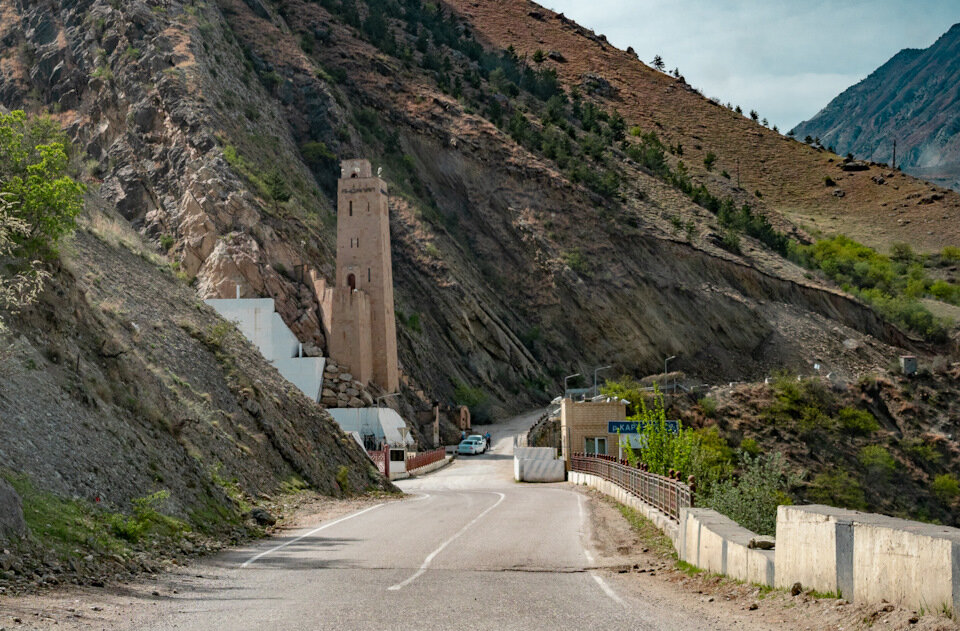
(635, 427)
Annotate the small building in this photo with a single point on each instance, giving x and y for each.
(585, 426)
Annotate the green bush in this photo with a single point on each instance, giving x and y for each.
(857, 422)
(890, 284)
(945, 487)
(576, 261)
(950, 253)
(835, 487)
(709, 160)
(877, 461)
(921, 451)
(475, 399)
(708, 406)
(750, 446)
(751, 499)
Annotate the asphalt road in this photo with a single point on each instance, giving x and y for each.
(471, 549)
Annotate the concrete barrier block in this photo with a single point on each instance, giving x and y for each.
(535, 470)
(869, 558)
(535, 453)
(815, 548)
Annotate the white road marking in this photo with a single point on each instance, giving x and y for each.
(586, 552)
(254, 559)
(426, 562)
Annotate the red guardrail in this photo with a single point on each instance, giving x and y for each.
(424, 458)
(381, 458)
(666, 493)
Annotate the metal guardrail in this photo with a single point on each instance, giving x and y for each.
(424, 458)
(666, 493)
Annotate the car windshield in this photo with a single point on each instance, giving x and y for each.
(468, 441)
(475, 437)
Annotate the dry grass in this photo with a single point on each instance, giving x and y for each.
(789, 175)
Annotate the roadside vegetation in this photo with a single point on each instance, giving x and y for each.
(798, 439)
(743, 486)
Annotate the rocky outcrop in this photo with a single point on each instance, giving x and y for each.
(216, 130)
(12, 523)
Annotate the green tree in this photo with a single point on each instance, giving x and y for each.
(40, 196)
(658, 63)
(945, 487)
(538, 56)
(709, 160)
(277, 187)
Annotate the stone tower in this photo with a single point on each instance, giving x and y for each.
(363, 327)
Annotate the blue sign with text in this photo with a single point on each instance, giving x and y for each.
(634, 427)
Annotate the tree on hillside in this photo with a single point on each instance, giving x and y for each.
(658, 63)
(38, 192)
(538, 56)
(39, 203)
(754, 115)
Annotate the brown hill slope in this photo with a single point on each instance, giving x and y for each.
(788, 174)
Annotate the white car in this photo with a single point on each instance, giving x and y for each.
(480, 439)
(470, 446)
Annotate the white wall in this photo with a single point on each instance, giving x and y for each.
(384, 423)
(259, 323)
(306, 373)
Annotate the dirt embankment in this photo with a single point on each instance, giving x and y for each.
(120, 384)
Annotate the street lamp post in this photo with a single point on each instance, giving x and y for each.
(595, 391)
(665, 367)
(565, 380)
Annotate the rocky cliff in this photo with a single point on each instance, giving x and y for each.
(911, 99)
(214, 129)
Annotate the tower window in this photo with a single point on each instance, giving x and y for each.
(368, 274)
(351, 208)
(351, 281)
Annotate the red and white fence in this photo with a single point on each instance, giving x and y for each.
(381, 458)
(666, 493)
(424, 458)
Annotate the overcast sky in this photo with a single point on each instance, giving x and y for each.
(785, 58)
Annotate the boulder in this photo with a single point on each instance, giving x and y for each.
(346, 377)
(556, 56)
(263, 517)
(855, 165)
(354, 402)
(595, 84)
(12, 523)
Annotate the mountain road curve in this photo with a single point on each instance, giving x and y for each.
(468, 548)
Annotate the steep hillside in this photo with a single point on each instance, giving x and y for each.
(912, 99)
(215, 130)
(123, 394)
(789, 175)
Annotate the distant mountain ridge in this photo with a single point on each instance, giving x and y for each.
(914, 99)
